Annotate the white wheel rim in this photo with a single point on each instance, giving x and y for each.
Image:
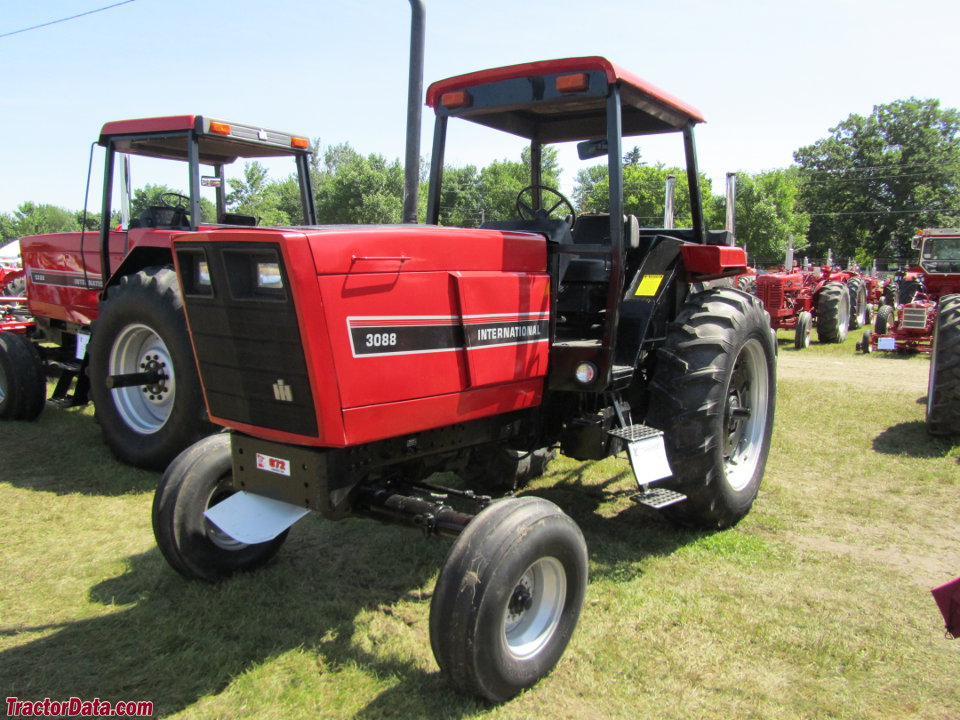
(217, 536)
(143, 408)
(534, 608)
(745, 415)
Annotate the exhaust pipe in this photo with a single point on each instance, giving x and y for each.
(668, 204)
(411, 178)
(731, 204)
(788, 265)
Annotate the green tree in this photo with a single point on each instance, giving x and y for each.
(767, 214)
(877, 178)
(644, 194)
(356, 189)
(35, 219)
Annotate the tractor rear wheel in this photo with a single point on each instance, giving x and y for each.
(833, 313)
(508, 597)
(859, 310)
(882, 322)
(713, 394)
(199, 478)
(801, 338)
(943, 389)
(23, 384)
(906, 291)
(141, 328)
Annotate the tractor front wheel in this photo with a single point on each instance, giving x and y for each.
(23, 384)
(801, 339)
(141, 329)
(833, 313)
(943, 389)
(199, 478)
(882, 322)
(713, 396)
(508, 597)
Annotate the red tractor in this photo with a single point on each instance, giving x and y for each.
(351, 363)
(107, 318)
(910, 326)
(929, 321)
(834, 299)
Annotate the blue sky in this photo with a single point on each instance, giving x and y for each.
(769, 76)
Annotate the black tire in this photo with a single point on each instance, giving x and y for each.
(23, 384)
(15, 287)
(200, 477)
(499, 468)
(833, 313)
(881, 323)
(890, 291)
(718, 361)
(943, 389)
(142, 326)
(747, 283)
(801, 338)
(508, 597)
(906, 291)
(864, 345)
(859, 310)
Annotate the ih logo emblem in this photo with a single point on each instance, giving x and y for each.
(262, 135)
(282, 391)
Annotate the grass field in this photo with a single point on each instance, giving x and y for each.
(816, 605)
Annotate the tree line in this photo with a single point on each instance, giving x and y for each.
(861, 192)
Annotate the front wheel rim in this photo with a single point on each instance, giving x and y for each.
(143, 408)
(745, 415)
(534, 609)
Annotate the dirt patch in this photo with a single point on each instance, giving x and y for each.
(894, 373)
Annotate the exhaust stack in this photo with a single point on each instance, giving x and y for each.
(731, 203)
(668, 203)
(411, 178)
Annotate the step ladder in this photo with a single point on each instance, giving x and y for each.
(648, 459)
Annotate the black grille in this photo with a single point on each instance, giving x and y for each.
(246, 337)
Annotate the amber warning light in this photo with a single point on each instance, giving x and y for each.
(219, 128)
(299, 142)
(454, 100)
(577, 82)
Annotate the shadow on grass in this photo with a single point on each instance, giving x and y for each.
(913, 440)
(180, 641)
(63, 452)
(174, 642)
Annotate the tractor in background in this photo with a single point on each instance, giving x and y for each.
(927, 320)
(833, 299)
(102, 313)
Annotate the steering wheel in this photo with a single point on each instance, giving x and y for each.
(179, 202)
(528, 213)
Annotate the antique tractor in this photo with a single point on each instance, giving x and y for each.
(833, 299)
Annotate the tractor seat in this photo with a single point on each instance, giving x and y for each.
(162, 216)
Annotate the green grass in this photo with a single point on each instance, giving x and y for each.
(816, 605)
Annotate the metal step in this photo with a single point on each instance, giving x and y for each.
(658, 498)
(635, 432)
(645, 448)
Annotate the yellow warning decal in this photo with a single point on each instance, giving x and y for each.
(649, 284)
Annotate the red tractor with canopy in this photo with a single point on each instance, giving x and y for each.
(351, 363)
(105, 315)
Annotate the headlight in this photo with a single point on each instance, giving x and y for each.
(268, 276)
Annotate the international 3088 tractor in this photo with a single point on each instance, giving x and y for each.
(350, 363)
(105, 316)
